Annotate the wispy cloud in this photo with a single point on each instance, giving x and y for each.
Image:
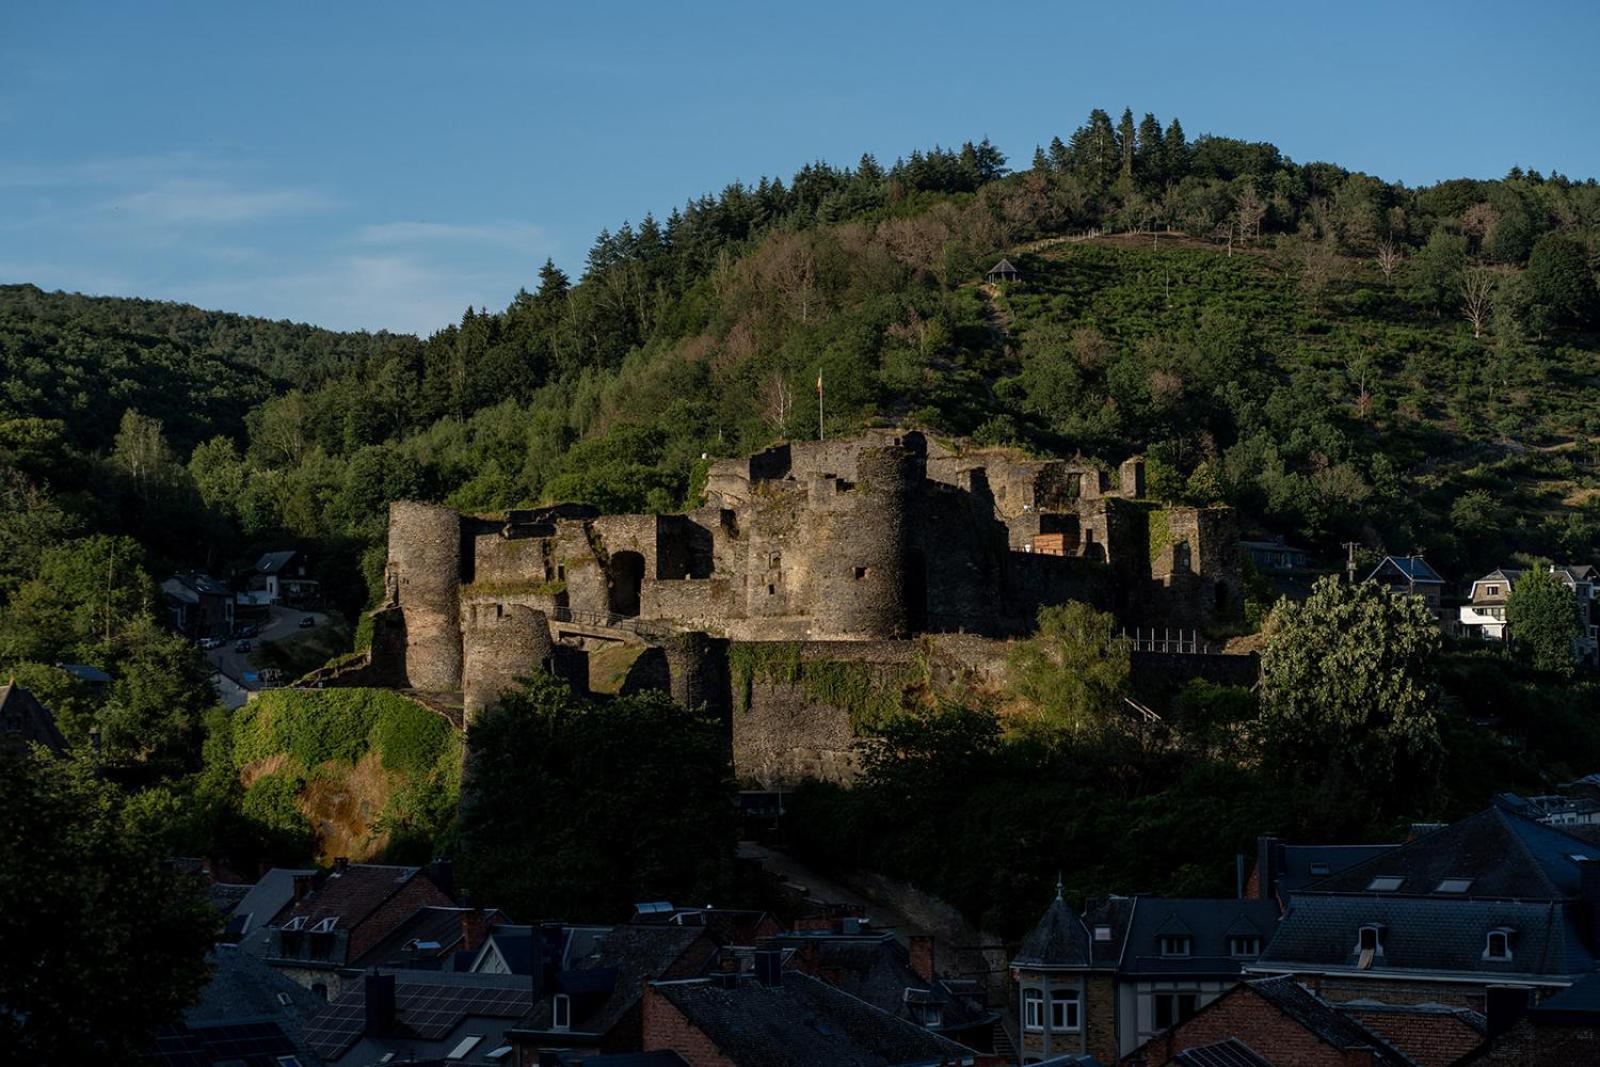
(212, 202)
(507, 234)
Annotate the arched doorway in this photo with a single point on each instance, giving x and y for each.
(627, 576)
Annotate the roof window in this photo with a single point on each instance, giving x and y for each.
(1385, 883)
(1102, 932)
(464, 1047)
(1454, 885)
(1320, 869)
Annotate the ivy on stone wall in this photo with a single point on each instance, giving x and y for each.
(1158, 524)
(846, 684)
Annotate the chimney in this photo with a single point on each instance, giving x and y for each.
(1589, 899)
(922, 956)
(474, 929)
(303, 885)
(341, 864)
(380, 1004)
(1269, 861)
(1503, 1005)
(769, 967)
(547, 939)
(444, 876)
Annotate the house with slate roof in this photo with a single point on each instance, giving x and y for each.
(1564, 1028)
(1281, 868)
(1274, 1021)
(784, 1018)
(1103, 983)
(587, 982)
(1493, 901)
(248, 1015)
(1411, 576)
(895, 978)
(281, 577)
(24, 721)
(326, 926)
(1484, 614)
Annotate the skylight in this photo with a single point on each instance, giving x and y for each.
(1454, 885)
(466, 1045)
(1102, 933)
(1319, 870)
(1385, 883)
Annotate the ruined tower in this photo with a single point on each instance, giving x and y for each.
(859, 548)
(502, 643)
(424, 579)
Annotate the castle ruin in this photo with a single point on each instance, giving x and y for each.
(879, 538)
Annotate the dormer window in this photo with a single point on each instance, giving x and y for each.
(325, 926)
(1498, 945)
(296, 923)
(1385, 883)
(1173, 945)
(561, 1012)
(1369, 946)
(1244, 947)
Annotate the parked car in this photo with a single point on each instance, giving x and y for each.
(247, 631)
(209, 643)
(242, 646)
(308, 622)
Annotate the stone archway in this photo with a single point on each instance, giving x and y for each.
(627, 578)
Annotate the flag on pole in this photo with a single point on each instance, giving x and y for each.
(819, 383)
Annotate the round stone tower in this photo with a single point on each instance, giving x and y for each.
(860, 547)
(503, 642)
(424, 579)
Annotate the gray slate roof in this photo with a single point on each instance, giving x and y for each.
(1209, 924)
(273, 562)
(262, 903)
(1406, 568)
(1059, 940)
(23, 717)
(1504, 854)
(1430, 935)
(801, 1022)
(605, 972)
(878, 970)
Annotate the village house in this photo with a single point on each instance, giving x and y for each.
(1411, 575)
(331, 921)
(777, 1018)
(1281, 869)
(1484, 614)
(281, 577)
(420, 1017)
(1103, 983)
(1493, 901)
(1276, 1022)
(198, 605)
(898, 979)
(25, 721)
(248, 1015)
(1564, 1028)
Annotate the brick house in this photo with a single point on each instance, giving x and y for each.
(1564, 1028)
(777, 1018)
(1103, 983)
(329, 924)
(1495, 900)
(1274, 1021)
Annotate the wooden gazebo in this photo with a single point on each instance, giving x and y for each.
(1003, 271)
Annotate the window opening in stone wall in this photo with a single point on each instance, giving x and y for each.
(861, 572)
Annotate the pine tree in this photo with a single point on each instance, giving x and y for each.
(1150, 163)
(1127, 143)
(868, 170)
(553, 281)
(1060, 156)
(1176, 150)
(1041, 162)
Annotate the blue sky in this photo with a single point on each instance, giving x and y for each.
(387, 164)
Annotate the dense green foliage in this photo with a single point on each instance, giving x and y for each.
(580, 808)
(1542, 615)
(100, 942)
(1072, 673)
(1347, 686)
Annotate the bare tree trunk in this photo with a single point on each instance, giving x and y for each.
(1477, 292)
(1388, 258)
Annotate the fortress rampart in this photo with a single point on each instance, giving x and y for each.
(853, 546)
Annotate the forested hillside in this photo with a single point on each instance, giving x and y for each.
(1340, 357)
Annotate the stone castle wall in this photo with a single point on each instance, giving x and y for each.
(502, 643)
(424, 578)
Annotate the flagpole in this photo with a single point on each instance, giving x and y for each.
(820, 435)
